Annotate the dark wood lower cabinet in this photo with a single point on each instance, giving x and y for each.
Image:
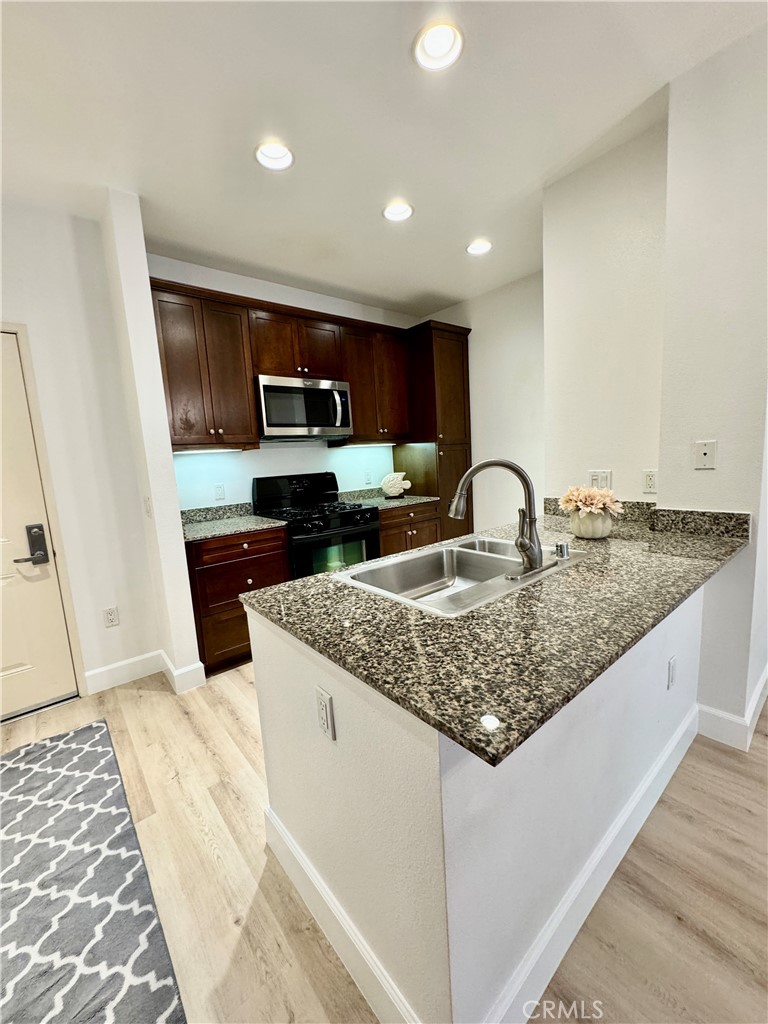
(408, 527)
(220, 569)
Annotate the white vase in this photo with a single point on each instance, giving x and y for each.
(592, 526)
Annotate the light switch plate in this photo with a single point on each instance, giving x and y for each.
(705, 454)
(218, 492)
(601, 478)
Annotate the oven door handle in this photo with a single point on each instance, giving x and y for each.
(337, 396)
(360, 530)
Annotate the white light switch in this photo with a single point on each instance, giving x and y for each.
(705, 455)
(218, 492)
(601, 478)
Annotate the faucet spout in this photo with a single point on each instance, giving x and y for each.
(527, 543)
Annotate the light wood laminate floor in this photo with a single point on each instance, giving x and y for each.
(678, 935)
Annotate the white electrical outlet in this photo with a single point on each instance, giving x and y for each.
(325, 713)
(600, 478)
(218, 492)
(671, 672)
(649, 481)
(148, 507)
(111, 617)
(705, 454)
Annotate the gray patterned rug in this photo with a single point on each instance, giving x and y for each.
(80, 939)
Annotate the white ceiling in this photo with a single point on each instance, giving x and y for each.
(169, 99)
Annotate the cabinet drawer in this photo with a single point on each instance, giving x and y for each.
(225, 637)
(407, 514)
(236, 546)
(219, 585)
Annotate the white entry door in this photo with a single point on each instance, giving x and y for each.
(37, 664)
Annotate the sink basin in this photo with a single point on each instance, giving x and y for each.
(451, 580)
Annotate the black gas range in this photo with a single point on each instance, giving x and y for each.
(323, 532)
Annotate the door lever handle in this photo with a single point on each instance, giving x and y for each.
(38, 549)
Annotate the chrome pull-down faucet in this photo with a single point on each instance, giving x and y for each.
(527, 543)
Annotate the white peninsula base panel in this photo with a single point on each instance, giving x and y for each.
(452, 889)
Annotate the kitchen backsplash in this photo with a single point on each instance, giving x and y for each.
(199, 474)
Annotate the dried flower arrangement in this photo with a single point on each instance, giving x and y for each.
(590, 499)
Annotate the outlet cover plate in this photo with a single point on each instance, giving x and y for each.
(705, 454)
(111, 617)
(649, 481)
(325, 716)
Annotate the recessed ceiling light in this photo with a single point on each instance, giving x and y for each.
(274, 156)
(398, 209)
(437, 47)
(479, 247)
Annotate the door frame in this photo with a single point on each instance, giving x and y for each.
(43, 462)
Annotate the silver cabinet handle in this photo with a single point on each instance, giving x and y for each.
(385, 430)
(245, 545)
(221, 430)
(249, 582)
(411, 514)
(298, 368)
(440, 436)
(211, 431)
(306, 369)
(439, 453)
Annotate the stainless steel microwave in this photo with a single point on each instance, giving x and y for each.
(295, 407)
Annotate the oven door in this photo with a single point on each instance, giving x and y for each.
(325, 552)
(292, 407)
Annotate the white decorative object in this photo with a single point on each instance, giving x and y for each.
(394, 484)
(593, 526)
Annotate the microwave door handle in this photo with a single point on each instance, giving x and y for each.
(337, 396)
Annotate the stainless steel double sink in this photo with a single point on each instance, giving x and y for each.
(454, 578)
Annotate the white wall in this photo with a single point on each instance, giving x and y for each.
(715, 358)
(506, 376)
(143, 387)
(603, 258)
(54, 281)
(363, 816)
(197, 473)
(267, 291)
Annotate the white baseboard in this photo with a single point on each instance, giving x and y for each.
(377, 985)
(120, 672)
(733, 730)
(183, 679)
(525, 987)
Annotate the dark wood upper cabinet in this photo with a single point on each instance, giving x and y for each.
(440, 383)
(228, 348)
(359, 371)
(184, 361)
(392, 380)
(318, 350)
(274, 340)
(451, 387)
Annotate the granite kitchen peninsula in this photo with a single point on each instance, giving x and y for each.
(481, 776)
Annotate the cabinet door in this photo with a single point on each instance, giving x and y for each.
(391, 360)
(451, 388)
(181, 338)
(394, 542)
(452, 463)
(319, 349)
(359, 371)
(423, 533)
(231, 371)
(274, 343)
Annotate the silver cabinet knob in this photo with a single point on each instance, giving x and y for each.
(411, 514)
(245, 545)
(249, 582)
(439, 453)
(298, 368)
(306, 369)
(221, 430)
(381, 430)
(440, 436)
(385, 430)
(211, 431)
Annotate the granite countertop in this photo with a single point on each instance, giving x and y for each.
(520, 658)
(208, 528)
(373, 497)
